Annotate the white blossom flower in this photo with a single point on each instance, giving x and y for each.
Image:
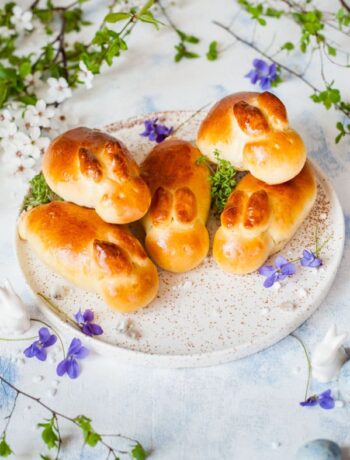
(36, 144)
(6, 119)
(26, 169)
(33, 82)
(13, 140)
(85, 75)
(5, 32)
(38, 115)
(58, 90)
(22, 20)
(5, 115)
(19, 164)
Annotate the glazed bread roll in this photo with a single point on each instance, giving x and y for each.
(93, 169)
(251, 130)
(176, 236)
(259, 219)
(92, 254)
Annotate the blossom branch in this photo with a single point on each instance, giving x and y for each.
(91, 437)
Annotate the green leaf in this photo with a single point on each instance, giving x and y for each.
(44, 15)
(3, 93)
(49, 434)
(138, 452)
(150, 19)
(90, 436)
(25, 68)
(273, 13)
(330, 96)
(5, 449)
(212, 53)
(183, 52)
(146, 6)
(187, 38)
(331, 51)
(115, 17)
(45, 457)
(288, 46)
(340, 126)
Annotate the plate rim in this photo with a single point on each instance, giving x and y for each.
(206, 359)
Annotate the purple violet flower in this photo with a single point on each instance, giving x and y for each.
(85, 323)
(310, 259)
(155, 131)
(37, 348)
(70, 364)
(279, 272)
(324, 400)
(263, 72)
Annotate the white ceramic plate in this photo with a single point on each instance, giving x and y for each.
(206, 316)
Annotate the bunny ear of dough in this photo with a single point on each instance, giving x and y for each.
(94, 255)
(259, 219)
(251, 131)
(94, 169)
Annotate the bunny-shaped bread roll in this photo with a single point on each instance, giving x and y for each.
(94, 169)
(329, 356)
(176, 236)
(259, 219)
(100, 257)
(251, 131)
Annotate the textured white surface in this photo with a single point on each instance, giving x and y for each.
(245, 410)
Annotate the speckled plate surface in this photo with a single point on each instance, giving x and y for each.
(204, 317)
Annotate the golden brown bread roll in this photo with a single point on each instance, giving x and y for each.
(176, 236)
(92, 254)
(94, 169)
(251, 130)
(259, 219)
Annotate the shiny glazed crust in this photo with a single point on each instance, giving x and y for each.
(94, 169)
(259, 219)
(92, 254)
(251, 130)
(176, 235)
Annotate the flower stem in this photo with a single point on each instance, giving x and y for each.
(193, 115)
(18, 340)
(56, 309)
(309, 365)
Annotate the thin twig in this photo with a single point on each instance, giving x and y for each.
(10, 415)
(59, 437)
(345, 5)
(279, 64)
(167, 17)
(193, 115)
(56, 413)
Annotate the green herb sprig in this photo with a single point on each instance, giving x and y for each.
(222, 181)
(39, 193)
